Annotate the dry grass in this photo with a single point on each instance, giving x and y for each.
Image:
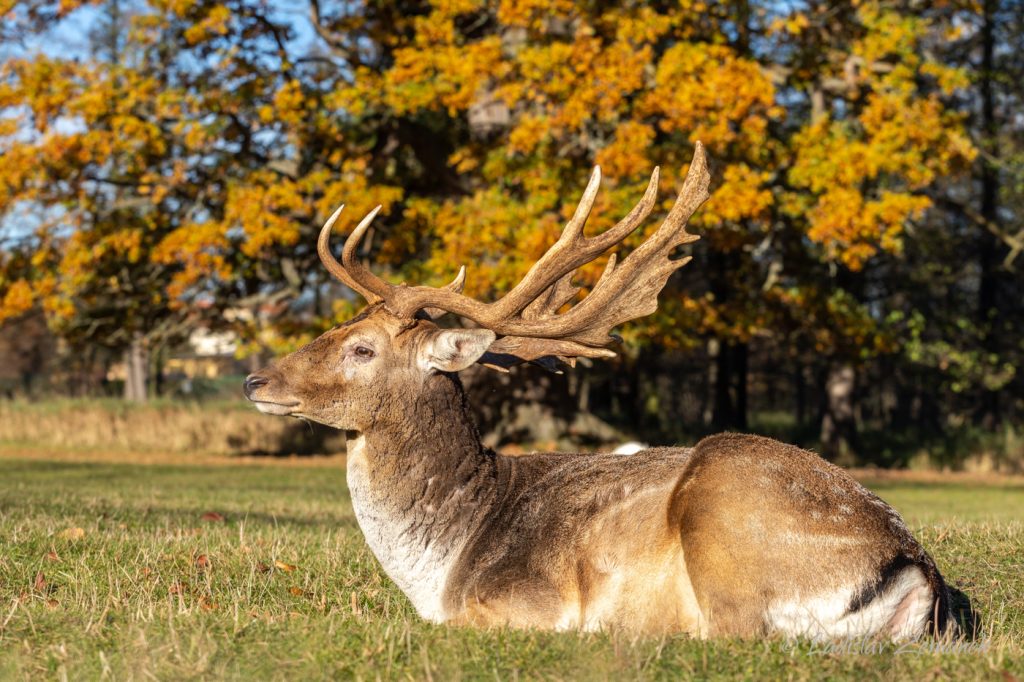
(164, 427)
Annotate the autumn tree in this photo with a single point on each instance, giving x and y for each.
(168, 172)
(189, 174)
(827, 125)
(974, 345)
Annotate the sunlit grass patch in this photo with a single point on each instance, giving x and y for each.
(250, 572)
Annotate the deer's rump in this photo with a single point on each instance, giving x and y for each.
(740, 535)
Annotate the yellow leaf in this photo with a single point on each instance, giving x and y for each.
(73, 533)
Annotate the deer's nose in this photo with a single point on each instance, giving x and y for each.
(254, 381)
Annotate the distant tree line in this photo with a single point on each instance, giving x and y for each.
(858, 283)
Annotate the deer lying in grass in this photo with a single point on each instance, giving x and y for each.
(739, 535)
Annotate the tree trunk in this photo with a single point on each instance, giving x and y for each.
(159, 380)
(136, 371)
(839, 422)
(721, 417)
(800, 390)
(741, 356)
(709, 394)
(990, 249)
(730, 411)
(583, 394)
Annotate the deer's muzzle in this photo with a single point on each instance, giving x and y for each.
(265, 403)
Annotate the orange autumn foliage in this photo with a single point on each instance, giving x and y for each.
(230, 165)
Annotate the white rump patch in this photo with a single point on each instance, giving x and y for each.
(630, 448)
(901, 612)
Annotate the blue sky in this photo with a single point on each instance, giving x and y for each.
(69, 39)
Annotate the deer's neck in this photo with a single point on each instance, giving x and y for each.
(421, 483)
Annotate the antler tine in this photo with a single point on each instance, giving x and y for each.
(574, 228)
(622, 293)
(633, 219)
(459, 281)
(573, 249)
(360, 279)
(528, 317)
(356, 270)
(323, 249)
(455, 286)
(631, 290)
(695, 188)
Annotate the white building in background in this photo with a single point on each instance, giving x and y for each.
(205, 343)
(207, 353)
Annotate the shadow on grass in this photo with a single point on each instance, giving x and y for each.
(301, 437)
(158, 517)
(967, 619)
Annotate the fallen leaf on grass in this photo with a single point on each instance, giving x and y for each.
(206, 605)
(52, 603)
(212, 516)
(287, 568)
(52, 556)
(73, 533)
(39, 584)
(263, 568)
(187, 532)
(297, 591)
(202, 562)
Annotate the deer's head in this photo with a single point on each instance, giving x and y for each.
(391, 351)
(352, 374)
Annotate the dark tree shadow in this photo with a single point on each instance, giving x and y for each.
(298, 438)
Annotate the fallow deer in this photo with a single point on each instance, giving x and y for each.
(737, 536)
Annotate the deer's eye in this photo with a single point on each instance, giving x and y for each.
(364, 352)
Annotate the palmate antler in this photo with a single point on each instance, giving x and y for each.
(527, 319)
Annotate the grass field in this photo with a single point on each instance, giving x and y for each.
(160, 571)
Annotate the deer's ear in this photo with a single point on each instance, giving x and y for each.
(451, 350)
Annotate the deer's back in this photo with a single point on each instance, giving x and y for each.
(739, 525)
(574, 537)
